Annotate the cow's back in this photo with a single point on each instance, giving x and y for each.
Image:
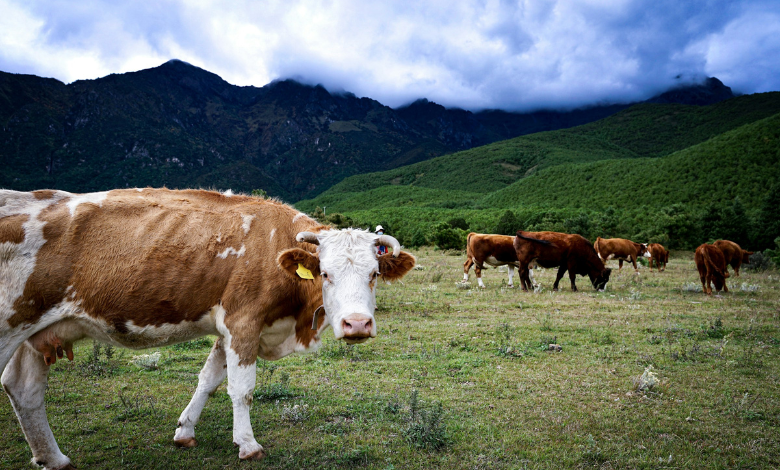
(152, 256)
(731, 251)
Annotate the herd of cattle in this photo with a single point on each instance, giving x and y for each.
(575, 254)
(142, 268)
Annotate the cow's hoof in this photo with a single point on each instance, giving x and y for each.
(258, 454)
(186, 443)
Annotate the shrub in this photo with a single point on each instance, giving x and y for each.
(448, 238)
(147, 361)
(508, 224)
(425, 428)
(760, 262)
(459, 222)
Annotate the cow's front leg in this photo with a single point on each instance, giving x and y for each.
(241, 354)
(24, 380)
(510, 283)
(478, 272)
(212, 375)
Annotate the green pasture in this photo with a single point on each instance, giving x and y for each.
(461, 377)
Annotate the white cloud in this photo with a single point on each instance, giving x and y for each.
(472, 54)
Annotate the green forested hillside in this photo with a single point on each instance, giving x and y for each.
(739, 163)
(675, 174)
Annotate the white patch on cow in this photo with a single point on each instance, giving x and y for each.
(228, 193)
(465, 277)
(210, 377)
(273, 232)
(510, 283)
(232, 251)
(88, 198)
(140, 190)
(247, 222)
(479, 281)
(142, 337)
(298, 216)
(491, 260)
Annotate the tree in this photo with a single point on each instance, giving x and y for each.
(508, 224)
(768, 221)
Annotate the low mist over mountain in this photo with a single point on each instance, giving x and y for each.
(181, 126)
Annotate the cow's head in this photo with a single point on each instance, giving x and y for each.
(746, 257)
(643, 251)
(347, 263)
(600, 280)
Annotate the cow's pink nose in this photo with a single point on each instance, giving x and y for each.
(357, 327)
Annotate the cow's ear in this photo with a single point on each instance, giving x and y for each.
(291, 261)
(392, 268)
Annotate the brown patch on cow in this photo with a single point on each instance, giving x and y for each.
(480, 247)
(567, 252)
(44, 194)
(392, 268)
(658, 255)
(620, 249)
(711, 265)
(11, 229)
(734, 255)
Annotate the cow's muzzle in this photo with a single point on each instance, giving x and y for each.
(357, 328)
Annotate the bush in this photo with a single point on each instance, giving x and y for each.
(448, 238)
(425, 428)
(760, 262)
(508, 224)
(459, 222)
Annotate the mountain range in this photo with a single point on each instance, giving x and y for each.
(182, 126)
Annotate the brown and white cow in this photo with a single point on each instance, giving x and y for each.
(140, 268)
(712, 268)
(495, 250)
(659, 255)
(621, 250)
(734, 254)
(567, 252)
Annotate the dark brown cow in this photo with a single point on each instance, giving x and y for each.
(621, 250)
(712, 268)
(659, 255)
(571, 253)
(142, 268)
(734, 254)
(495, 250)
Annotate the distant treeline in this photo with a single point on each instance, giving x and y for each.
(678, 226)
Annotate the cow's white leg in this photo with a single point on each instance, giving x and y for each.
(210, 377)
(479, 281)
(531, 276)
(241, 385)
(465, 277)
(510, 283)
(24, 380)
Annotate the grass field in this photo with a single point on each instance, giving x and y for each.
(505, 401)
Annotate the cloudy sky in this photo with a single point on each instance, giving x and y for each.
(473, 54)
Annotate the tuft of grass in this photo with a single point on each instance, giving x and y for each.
(425, 427)
(147, 361)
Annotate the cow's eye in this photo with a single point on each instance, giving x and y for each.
(375, 275)
(325, 275)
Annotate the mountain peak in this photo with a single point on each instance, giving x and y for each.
(709, 91)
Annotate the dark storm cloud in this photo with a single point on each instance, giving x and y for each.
(472, 54)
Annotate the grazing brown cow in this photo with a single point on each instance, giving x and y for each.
(571, 253)
(712, 268)
(734, 254)
(621, 250)
(495, 250)
(141, 268)
(659, 255)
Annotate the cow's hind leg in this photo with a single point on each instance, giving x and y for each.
(559, 275)
(466, 267)
(510, 283)
(24, 380)
(210, 377)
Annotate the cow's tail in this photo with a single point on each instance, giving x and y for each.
(596, 246)
(715, 267)
(523, 237)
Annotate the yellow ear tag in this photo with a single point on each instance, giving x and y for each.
(303, 272)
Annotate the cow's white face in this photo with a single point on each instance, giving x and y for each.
(349, 270)
(348, 265)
